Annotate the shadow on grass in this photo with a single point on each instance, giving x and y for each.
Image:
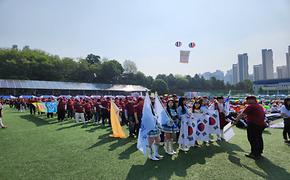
(103, 139)
(127, 153)
(93, 129)
(179, 164)
(269, 169)
(71, 126)
(37, 120)
(120, 143)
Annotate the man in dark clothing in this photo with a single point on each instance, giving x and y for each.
(255, 116)
(130, 117)
(61, 108)
(138, 114)
(70, 108)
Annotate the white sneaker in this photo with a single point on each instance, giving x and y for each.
(158, 156)
(186, 148)
(153, 158)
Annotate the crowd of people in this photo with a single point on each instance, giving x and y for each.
(97, 111)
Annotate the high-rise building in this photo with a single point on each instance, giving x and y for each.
(288, 62)
(258, 72)
(235, 74)
(282, 72)
(267, 61)
(243, 68)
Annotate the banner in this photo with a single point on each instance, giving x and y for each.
(115, 121)
(184, 56)
(202, 123)
(51, 107)
(148, 123)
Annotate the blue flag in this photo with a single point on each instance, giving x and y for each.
(148, 123)
(51, 107)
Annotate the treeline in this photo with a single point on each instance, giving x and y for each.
(36, 64)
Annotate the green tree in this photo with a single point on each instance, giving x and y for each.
(93, 59)
(129, 67)
(110, 71)
(160, 86)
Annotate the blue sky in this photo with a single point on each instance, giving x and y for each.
(145, 31)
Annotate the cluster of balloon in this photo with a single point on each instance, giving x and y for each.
(191, 45)
(179, 44)
(184, 55)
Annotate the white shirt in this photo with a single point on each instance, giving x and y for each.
(285, 111)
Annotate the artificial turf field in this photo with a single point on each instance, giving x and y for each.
(34, 147)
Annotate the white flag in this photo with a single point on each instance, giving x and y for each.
(148, 123)
(184, 56)
(162, 116)
(228, 132)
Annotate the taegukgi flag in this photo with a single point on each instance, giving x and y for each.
(213, 122)
(202, 123)
(187, 131)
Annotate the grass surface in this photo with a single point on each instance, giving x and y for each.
(34, 147)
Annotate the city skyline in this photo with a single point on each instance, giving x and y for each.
(263, 71)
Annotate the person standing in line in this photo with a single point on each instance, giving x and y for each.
(49, 114)
(255, 116)
(97, 110)
(138, 114)
(171, 127)
(219, 105)
(79, 112)
(70, 108)
(130, 117)
(285, 111)
(1, 121)
(183, 112)
(88, 110)
(61, 110)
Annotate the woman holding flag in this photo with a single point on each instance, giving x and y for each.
(170, 127)
(219, 105)
(149, 133)
(183, 113)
